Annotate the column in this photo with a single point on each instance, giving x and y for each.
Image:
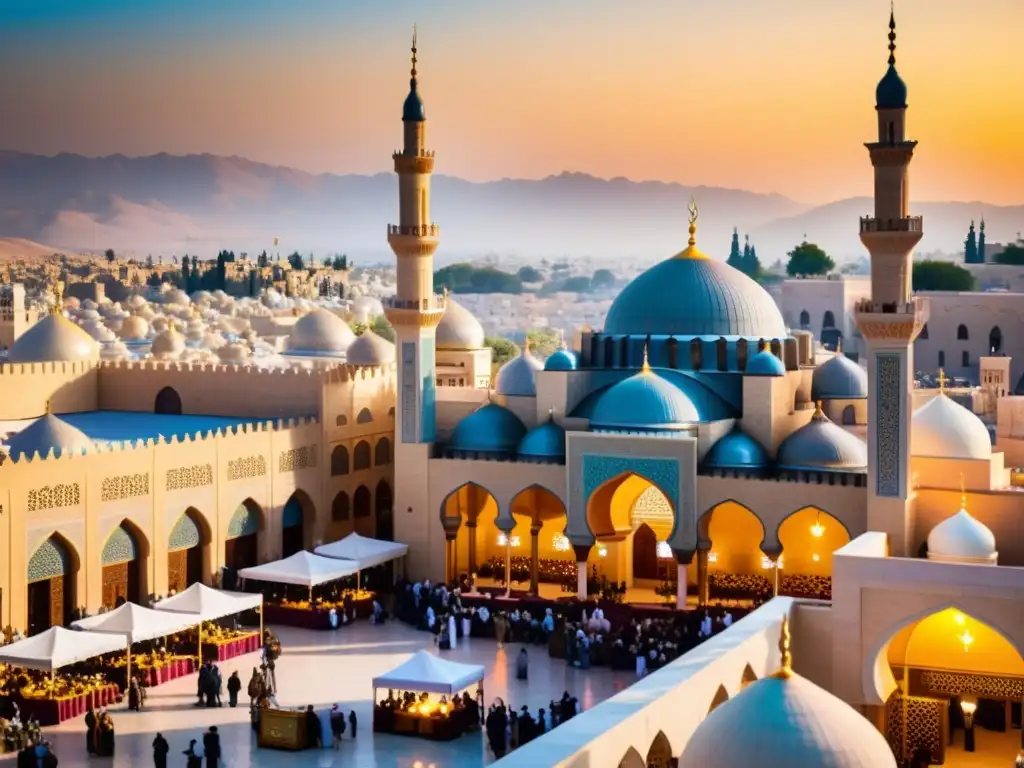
(702, 577)
(508, 565)
(471, 528)
(683, 559)
(449, 557)
(535, 558)
(582, 551)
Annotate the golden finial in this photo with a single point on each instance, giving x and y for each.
(694, 213)
(942, 380)
(892, 33)
(785, 655)
(414, 34)
(49, 408)
(646, 367)
(58, 297)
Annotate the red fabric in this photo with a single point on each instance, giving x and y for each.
(56, 711)
(177, 668)
(229, 650)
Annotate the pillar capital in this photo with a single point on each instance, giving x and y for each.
(683, 556)
(582, 552)
(451, 526)
(535, 528)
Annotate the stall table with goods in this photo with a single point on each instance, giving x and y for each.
(31, 682)
(205, 605)
(428, 702)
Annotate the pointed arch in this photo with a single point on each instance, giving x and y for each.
(995, 340)
(632, 759)
(383, 502)
(721, 696)
(188, 551)
(364, 417)
(805, 319)
(749, 676)
(828, 320)
(242, 538)
(610, 506)
(51, 583)
(469, 513)
(361, 456)
(339, 461)
(362, 502)
(124, 565)
(961, 333)
(298, 523)
(660, 754)
(341, 508)
(246, 520)
(341, 420)
(736, 533)
(167, 401)
(382, 452)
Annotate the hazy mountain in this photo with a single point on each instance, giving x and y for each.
(164, 204)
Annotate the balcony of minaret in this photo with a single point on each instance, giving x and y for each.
(421, 161)
(898, 322)
(425, 313)
(909, 224)
(414, 239)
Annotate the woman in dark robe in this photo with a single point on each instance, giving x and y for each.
(522, 665)
(106, 745)
(90, 732)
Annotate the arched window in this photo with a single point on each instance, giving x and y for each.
(609, 352)
(673, 352)
(339, 461)
(892, 133)
(741, 354)
(361, 502)
(942, 359)
(382, 452)
(961, 332)
(361, 456)
(995, 340)
(849, 416)
(829, 320)
(696, 354)
(722, 352)
(965, 358)
(167, 401)
(924, 332)
(364, 417)
(805, 319)
(341, 421)
(340, 507)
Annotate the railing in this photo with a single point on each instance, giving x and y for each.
(416, 230)
(909, 224)
(892, 308)
(418, 153)
(432, 304)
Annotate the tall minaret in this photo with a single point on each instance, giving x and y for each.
(892, 318)
(415, 311)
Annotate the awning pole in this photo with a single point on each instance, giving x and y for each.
(200, 643)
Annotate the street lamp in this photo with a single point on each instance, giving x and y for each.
(968, 705)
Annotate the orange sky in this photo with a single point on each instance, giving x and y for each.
(767, 95)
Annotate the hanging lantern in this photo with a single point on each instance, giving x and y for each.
(560, 543)
(664, 550)
(712, 556)
(817, 530)
(602, 550)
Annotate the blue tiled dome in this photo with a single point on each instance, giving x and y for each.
(821, 446)
(561, 360)
(839, 379)
(737, 450)
(491, 429)
(518, 377)
(644, 402)
(693, 295)
(891, 92)
(765, 363)
(545, 441)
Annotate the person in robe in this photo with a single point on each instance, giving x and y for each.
(452, 631)
(211, 746)
(255, 687)
(431, 618)
(337, 726)
(135, 695)
(90, 732)
(496, 725)
(352, 722)
(522, 665)
(313, 736)
(160, 750)
(106, 740)
(332, 616)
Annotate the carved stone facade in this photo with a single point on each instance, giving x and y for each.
(988, 686)
(297, 458)
(124, 487)
(196, 476)
(246, 467)
(54, 497)
(887, 424)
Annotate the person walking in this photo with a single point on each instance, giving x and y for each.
(211, 746)
(90, 731)
(255, 688)
(193, 755)
(522, 665)
(352, 722)
(234, 686)
(314, 736)
(160, 750)
(337, 725)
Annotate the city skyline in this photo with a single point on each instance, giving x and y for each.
(525, 92)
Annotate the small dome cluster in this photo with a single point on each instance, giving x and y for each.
(644, 402)
(518, 377)
(320, 333)
(821, 446)
(494, 431)
(737, 451)
(839, 379)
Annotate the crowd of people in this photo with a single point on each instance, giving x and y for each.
(99, 733)
(508, 729)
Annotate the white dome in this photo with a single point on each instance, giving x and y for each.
(783, 721)
(234, 353)
(518, 377)
(458, 328)
(134, 328)
(320, 331)
(54, 338)
(175, 296)
(962, 539)
(45, 434)
(944, 429)
(370, 349)
(168, 344)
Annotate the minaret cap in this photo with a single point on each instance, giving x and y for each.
(413, 110)
(691, 251)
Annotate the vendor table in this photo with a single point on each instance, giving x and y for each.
(311, 618)
(181, 666)
(230, 649)
(56, 711)
(425, 727)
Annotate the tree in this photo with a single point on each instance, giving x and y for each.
(383, 328)
(296, 261)
(467, 278)
(1011, 254)
(502, 350)
(154, 280)
(340, 262)
(941, 276)
(735, 259)
(751, 265)
(577, 284)
(808, 259)
(185, 277)
(221, 276)
(261, 260)
(529, 275)
(602, 280)
(109, 253)
(544, 341)
(149, 261)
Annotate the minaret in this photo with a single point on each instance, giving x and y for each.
(892, 318)
(981, 242)
(416, 310)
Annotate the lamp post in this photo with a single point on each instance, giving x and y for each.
(968, 705)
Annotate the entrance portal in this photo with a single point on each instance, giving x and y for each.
(51, 585)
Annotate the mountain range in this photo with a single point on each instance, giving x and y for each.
(165, 204)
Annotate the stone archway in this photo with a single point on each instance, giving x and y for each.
(168, 401)
(808, 537)
(242, 540)
(544, 552)
(124, 558)
(469, 514)
(51, 576)
(731, 537)
(660, 753)
(298, 523)
(188, 551)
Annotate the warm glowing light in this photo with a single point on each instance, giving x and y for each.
(508, 541)
(560, 543)
(712, 556)
(816, 557)
(514, 542)
(444, 709)
(502, 540)
(966, 639)
(664, 550)
(968, 707)
(817, 530)
(959, 619)
(767, 563)
(602, 550)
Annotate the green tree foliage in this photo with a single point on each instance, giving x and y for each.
(602, 280)
(529, 275)
(735, 259)
(185, 274)
(502, 350)
(340, 262)
(941, 276)
(383, 328)
(808, 259)
(109, 253)
(296, 261)
(544, 341)
(467, 278)
(751, 264)
(577, 284)
(1013, 254)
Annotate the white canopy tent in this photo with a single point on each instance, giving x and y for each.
(303, 568)
(58, 647)
(363, 551)
(206, 604)
(430, 674)
(135, 624)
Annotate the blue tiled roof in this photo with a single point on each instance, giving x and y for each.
(118, 426)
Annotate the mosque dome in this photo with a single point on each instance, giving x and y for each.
(786, 720)
(42, 435)
(561, 360)
(644, 402)
(134, 328)
(962, 539)
(839, 379)
(490, 429)
(235, 353)
(54, 338)
(168, 344)
(518, 377)
(370, 349)
(821, 446)
(458, 328)
(320, 331)
(737, 450)
(544, 442)
(944, 429)
(719, 301)
(765, 363)
(413, 110)
(891, 92)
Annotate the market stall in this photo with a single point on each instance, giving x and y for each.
(48, 698)
(206, 605)
(364, 553)
(409, 708)
(307, 570)
(138, 624)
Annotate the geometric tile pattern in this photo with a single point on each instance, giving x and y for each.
(249, 466)
(124, 487)
(48, 561)
(887, 425)
(291, 516)
(244, 522)
(297, 458)
(47, 497)
(662, 472)
(989, 686)
(196, 476)
(184, 535)
(120, 547)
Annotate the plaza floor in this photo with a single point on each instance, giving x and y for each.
(322, 668)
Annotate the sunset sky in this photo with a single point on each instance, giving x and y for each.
(766, 95)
